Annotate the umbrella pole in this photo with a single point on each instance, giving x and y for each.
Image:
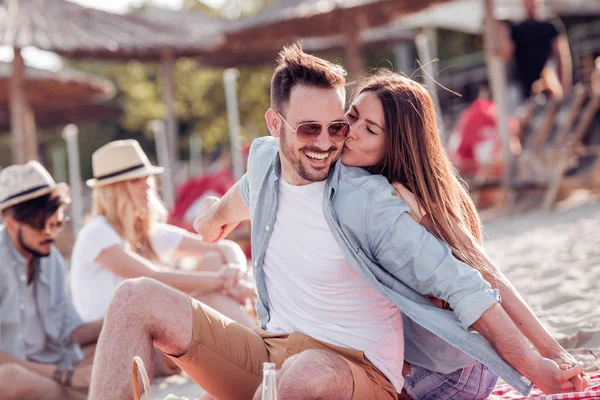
(354, 59)
(70, 134)
(426, 44)
(167, 63)
(230, 76)
(30, 129)
(162, 152)
(497, 79)
(17, 109)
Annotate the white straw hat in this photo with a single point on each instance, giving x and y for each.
(118, 161)
(23, 182)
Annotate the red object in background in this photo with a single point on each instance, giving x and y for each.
(477, 127)
(505, 392)
(191, 193)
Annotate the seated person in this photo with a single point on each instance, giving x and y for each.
(41, 333)
(476, 146)
(124, 238)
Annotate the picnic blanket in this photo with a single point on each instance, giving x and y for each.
(505, 392)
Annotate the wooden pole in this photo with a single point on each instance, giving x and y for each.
(167, 69)
(230, 76)
(497, 79)
(426, 43)
(17, 109)
(70, 134)
(354, 59)
(30, 129)
(162, 152)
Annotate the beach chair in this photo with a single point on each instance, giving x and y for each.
(579, 152)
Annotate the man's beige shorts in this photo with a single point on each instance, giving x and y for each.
(226, 358)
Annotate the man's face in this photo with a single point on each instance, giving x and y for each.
(39, 242)
(306, 162)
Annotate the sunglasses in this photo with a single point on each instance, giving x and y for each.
(308, 131)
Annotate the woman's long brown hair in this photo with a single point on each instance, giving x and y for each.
(415, 157)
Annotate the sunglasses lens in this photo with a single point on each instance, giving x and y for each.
(339, 131)
(309, 131)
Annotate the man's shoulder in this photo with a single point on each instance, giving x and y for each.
(264, 147)
(359, 180)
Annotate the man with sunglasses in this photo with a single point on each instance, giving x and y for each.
(336, 257)
(41, 334)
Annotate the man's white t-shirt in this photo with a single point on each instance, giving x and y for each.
(92, 285)
(315, 291)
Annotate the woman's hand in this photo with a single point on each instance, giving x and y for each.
(416, 210)
(242, 292)
(565, 362)
(227, 279)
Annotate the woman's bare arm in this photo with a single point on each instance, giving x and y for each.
(128, 264)
(192, 246)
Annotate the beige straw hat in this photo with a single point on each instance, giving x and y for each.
(20, 183)
(118, 161)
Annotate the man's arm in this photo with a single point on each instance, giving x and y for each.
(496, 326)
(503, 46)
(80, 378)
(87, 333)
(218, 217)
(562, 54)
(45, 370)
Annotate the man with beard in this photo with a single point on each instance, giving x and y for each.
(41, 334)
(338, 263)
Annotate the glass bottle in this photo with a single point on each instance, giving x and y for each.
(269, 385)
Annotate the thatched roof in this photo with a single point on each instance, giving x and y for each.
(293, 19)
(75, 31)
(66, 87)
(198, 25)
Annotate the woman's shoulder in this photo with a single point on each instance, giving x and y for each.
(96, 228)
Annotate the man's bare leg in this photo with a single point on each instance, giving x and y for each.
(142, 313)
(313, 374)
(18, 383)
(228, 307)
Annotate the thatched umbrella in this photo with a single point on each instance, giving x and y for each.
(46, 90)
(77, 32)
(290, 20)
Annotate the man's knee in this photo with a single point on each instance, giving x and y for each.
(132, 290)
(15, 381)
(319, 373)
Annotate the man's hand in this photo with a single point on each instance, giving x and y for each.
(208, 224)
(81, 377)
(550, 378)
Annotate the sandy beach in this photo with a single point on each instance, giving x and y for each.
(553, 259)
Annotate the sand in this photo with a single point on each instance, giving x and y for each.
(553, 259)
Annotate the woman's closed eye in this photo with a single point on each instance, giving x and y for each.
(352, 118)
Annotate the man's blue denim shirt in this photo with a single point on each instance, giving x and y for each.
(395, 254)
(55, 307)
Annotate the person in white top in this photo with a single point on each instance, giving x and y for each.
(125, 238)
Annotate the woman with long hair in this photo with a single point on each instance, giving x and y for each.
(394, 133)
(125, 237)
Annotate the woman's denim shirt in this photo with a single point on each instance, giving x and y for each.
(395, 254)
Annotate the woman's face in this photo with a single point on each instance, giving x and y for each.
(365, 145)
(141, 188)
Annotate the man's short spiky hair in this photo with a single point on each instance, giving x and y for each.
(295, 67)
